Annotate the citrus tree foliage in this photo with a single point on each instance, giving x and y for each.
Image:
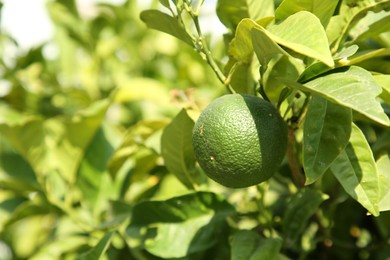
(96, 159)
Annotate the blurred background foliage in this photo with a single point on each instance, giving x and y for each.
(80, 122)
(81, 162)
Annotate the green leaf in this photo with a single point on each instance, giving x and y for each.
(100, 249)
(54, 147)
(280, 66)
(13, 168)
(230, 13)
(135, 137)
(300, 208)
(248, 245)
(241, 78)
(371, 26)
(160, 21)
(319, 68)
(364, 55)
(384, 81)
(326, 132)
(94, 180)
(56, 249)
(241, 48)
(165, 3)
(264, 46)
(177, 151)
(356, 171)
(352, 87)
(303, 33)
(323, 9)
(178, 226)
(383, 166)
(349, 15)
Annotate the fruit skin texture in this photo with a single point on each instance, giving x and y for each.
(239, 140)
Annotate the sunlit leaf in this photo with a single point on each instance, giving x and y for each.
(351, 87)
(349, 15)
(323, 9)
(356, 171)
(241, 48)
(232, 12)
(135, 137)
(54, 147)
(318, 68)
(160, 21)
(303, 33)
(56, 249)
(326, 132)
(374, 28)
(265, 47)
(178, 226)
(384, 81)
(366, 55)
(300, 208)
(177, 151)
(247, 245)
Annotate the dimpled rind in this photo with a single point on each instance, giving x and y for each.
(240, 140)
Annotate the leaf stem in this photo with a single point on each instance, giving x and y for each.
(261, 90)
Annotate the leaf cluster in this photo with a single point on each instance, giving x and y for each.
(96, 160)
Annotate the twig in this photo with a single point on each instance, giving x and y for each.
(293, 160)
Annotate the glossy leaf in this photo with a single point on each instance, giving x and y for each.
(326, 132)
(247, 244)
(160, 21)
(356, 171)
(178, 226)
(323, 9)
(177, 151)
(299, 210)
(383, 165)
(352, 87)
(303, 33)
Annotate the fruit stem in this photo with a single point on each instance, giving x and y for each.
(293, 160)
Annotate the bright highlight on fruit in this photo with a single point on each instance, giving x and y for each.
(240, 140)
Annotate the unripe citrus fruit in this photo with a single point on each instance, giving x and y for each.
(240, 140)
